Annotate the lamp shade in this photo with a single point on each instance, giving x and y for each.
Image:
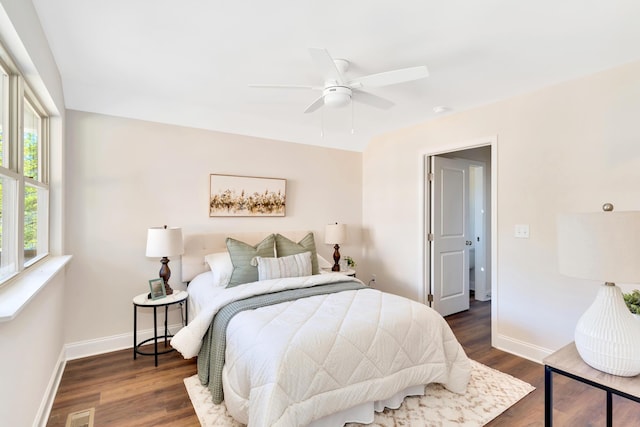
(602, 246)
(335, 234)
(164, 242)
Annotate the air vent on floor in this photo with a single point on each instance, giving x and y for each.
(82, 418)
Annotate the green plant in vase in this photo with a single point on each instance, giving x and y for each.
(633, 301)
(350, 262)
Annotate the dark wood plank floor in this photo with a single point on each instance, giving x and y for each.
(127, 392)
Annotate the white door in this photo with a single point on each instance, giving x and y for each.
(450, 235)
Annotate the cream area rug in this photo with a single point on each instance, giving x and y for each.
(489, 394)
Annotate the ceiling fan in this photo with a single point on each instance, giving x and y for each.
(339, 91)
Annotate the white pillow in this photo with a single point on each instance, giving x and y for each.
(323, 263)
(221, 266)
(297, 265)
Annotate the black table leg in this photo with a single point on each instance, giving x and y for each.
(609, 409)
(166, 329)
(548, 397)
(155, 334)
(135, 328)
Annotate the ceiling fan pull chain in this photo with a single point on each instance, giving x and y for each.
(322, 123)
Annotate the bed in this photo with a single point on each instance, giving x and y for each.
(292, 348)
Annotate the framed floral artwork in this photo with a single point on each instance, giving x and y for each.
(232, 195)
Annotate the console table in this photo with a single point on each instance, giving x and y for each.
(567, 362)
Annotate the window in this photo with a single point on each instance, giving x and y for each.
(36, 218)
(24, 189)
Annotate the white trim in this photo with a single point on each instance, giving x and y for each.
(491, 141)
(520, 348)
(15, 296)
(103, 345)
(50, 394)
(494, 240)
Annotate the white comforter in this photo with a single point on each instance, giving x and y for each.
(294, 362)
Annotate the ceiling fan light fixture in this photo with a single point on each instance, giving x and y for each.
(337, 96)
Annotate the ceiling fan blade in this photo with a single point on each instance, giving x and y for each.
(325, 64)
(315, 105)
(371, 99)
(390, 77)
(261, 86)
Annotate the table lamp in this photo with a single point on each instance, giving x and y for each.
(335, 234)
(605, 247)
(164, 242)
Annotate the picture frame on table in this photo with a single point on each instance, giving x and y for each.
(156, 288)
(234, 195)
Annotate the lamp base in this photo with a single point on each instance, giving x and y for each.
(165, 274)
(336, 258)
(607, 334)
(167, 289)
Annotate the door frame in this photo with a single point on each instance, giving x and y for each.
(424, 210)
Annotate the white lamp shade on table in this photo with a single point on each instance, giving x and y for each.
(604, 247)
(335, 234)
(164, 242)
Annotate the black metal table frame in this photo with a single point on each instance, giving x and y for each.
(136, 345)
(548, 394)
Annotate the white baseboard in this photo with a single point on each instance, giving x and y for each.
(520, 348)
(42, 417)
(103, 345)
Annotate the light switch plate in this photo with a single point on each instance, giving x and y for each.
(522, 231)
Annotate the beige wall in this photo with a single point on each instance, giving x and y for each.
(124, 176)
(32, 342)
(570, 147)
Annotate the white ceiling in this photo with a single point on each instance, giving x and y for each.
(189, 62)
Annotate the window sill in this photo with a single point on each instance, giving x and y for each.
(16, 295)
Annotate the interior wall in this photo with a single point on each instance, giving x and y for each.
(33, 341)
(569, 147)
(124, 176)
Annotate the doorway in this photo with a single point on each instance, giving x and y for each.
(458, 220)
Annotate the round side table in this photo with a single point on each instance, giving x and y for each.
(178, 297)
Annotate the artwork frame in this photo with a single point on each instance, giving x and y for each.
(156, 288)
(246, 196)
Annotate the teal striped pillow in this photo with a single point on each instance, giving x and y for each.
(298, 265)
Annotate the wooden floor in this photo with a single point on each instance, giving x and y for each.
(127, 392)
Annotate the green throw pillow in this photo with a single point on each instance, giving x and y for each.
(286, 247)
(241, 255)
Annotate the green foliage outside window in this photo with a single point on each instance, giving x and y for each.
(30, 193)
(30, 155)
(30, 163)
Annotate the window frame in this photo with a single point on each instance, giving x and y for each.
(19, 94)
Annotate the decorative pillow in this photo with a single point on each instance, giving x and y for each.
(221, 267)
(286, 247)
(288, 266)
(241, 255)
(323, 263)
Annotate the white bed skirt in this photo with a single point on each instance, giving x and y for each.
(365, 412)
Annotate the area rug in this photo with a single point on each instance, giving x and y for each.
(489, 394)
